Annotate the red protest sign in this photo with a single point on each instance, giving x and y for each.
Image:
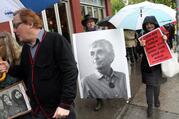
(155, 48)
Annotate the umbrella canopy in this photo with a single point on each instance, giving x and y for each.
(132, 16)
(7, 7)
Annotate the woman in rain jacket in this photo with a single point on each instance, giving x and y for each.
(151, 76)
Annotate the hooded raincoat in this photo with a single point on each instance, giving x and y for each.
(150, 75)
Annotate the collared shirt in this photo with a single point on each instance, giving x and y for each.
(33, 48)
(97, 86)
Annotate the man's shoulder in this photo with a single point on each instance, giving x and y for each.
(53, 34)
(54, 38)
(121, 75)
(92, 76)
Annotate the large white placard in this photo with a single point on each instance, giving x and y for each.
(82, 43)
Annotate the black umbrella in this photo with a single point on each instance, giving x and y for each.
(105, 22)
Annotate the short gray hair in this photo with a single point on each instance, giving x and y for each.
(107, 45)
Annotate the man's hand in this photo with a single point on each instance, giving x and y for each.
(4, 66)
(142, 43)
(164, 38)
(61, 113)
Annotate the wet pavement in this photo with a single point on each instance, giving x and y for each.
(169, 99)
(111, 108)
(139, 112)
(136, 108)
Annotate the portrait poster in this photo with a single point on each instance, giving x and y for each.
(81, 45)
(14, 101)
(156, 50)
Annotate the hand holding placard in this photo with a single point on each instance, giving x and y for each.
(2, 74)
(156, 49)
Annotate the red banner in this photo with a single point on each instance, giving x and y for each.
(156, 49)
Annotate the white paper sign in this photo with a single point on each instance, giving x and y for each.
(84, 49)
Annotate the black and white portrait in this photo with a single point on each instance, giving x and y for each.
(101, 58)
(13, 101)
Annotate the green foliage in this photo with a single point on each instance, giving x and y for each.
(135, 1)
(170, 3)
(118, 4)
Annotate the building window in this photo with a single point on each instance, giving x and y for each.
(82, 11)
(94, 2)
(96, 14)
(101, 14)
(51, 19)
(95, 8)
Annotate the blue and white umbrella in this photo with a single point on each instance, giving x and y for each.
(7, 7)
(132, 16)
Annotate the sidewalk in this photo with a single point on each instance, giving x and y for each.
(113, 107)
(169, 99)
(139, 112)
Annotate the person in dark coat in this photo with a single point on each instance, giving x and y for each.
(47, 67)
(89, 23)
(171, 34)
(151, 76)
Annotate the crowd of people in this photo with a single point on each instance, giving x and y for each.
(151, 76)
(46, 63)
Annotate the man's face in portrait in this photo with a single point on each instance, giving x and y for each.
(100, 56)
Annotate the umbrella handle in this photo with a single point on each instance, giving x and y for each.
(141, 12)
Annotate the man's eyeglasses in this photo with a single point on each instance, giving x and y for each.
(17, 25)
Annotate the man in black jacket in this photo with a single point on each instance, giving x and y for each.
(47, 67)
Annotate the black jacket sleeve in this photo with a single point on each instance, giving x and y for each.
(67, 64)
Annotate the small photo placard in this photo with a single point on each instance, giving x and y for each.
(14, 101)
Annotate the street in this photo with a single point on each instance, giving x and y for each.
(136, 108)
(169, 99)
